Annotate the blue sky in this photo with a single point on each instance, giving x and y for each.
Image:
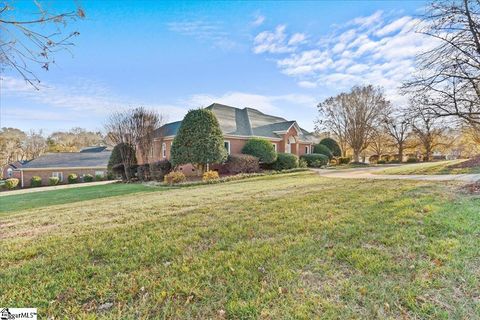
(280, 57)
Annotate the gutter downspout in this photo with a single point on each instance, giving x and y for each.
(21, 173)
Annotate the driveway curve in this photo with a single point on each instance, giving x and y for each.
(369, 173)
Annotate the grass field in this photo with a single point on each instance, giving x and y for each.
(441, 167)
(293, 246)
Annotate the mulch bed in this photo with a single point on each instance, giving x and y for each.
(473, 188)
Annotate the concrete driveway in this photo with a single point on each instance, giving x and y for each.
(368, 173)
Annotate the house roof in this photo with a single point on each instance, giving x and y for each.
(93, 149)
(18, 164)
(70, 160)
(243, 122)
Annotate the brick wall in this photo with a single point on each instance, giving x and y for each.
(47, 173)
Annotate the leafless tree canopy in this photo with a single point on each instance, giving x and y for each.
(397, 125)
(27, 42)
(447, 77)
(133, 128)
(353, 116)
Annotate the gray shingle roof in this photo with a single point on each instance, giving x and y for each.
(70, 159)
(241, 122)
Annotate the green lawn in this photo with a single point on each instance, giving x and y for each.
(441, 167)
(294, 246)
(41, 199)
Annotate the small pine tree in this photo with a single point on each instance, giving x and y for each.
(199, 140)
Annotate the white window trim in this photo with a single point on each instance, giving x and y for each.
(164, 150)
(100, 173)
(59, 175)
(228, 143)
(274, 147)
(9, 172)
(307, 149)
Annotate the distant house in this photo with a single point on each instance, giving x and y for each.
(8, 171)
(239, 125)
(91, 160)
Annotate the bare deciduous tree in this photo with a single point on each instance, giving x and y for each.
(353, 116)
(448, 76)
(380, 141)
(35, 144)
(397, 126)
(133, 128)
(428, 129)
(33, 41)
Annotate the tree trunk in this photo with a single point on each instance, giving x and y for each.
(428, 153)
(356, 156)
(400, 152)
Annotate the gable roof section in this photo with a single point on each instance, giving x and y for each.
(244, 122)
(70, 160)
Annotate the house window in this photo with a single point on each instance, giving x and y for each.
(58, 175)
(164, 150)
(226, 143)
(274, 147)
(307, 149)
(99, 173)
(9, 172)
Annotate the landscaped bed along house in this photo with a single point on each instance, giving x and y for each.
(238, 126)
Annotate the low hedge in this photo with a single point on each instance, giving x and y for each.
(285, 161)
(315, 160)
(242, 163)
(344, 160)
(72, 178)
(87, 178)
(11, 183)
(412, 160)
(36, 181)
(53, 181)
(159, 169)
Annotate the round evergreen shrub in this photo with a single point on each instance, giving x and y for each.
(87, 178)
(315, 160)
(242, 163)
(99, 177)
(53, 181)
(36, 181)
(261, 148)
(11, 183)
(72, 178)
(285, 161)
(199, 140)
(323, 149)
(344, 160)
(332, 145)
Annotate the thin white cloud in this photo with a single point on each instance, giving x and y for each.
(277, 41)
(258, 21)
(376, 49)
(205, 31)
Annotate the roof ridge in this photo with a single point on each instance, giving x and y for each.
(249, 123)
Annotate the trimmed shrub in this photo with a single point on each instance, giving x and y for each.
(72, 178)
(323, 149)
(261, 148)
(174, 177)
(242, 163)
(412, 160)
(159, 169)
(381, 162)
(199, 140)
(87, 178)
(210, 176)
(99, 177)
(143, 172)
(285, 161)
(358, 163)
(302, 163)
(332, 145)
(344, 160)
(36, 181)
(53, 181)
(11, 183)
(315, 160)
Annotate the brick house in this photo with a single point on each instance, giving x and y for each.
(92, 160)
(239, 125)
(8, 171)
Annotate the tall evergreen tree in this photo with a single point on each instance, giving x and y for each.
(199, 140)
